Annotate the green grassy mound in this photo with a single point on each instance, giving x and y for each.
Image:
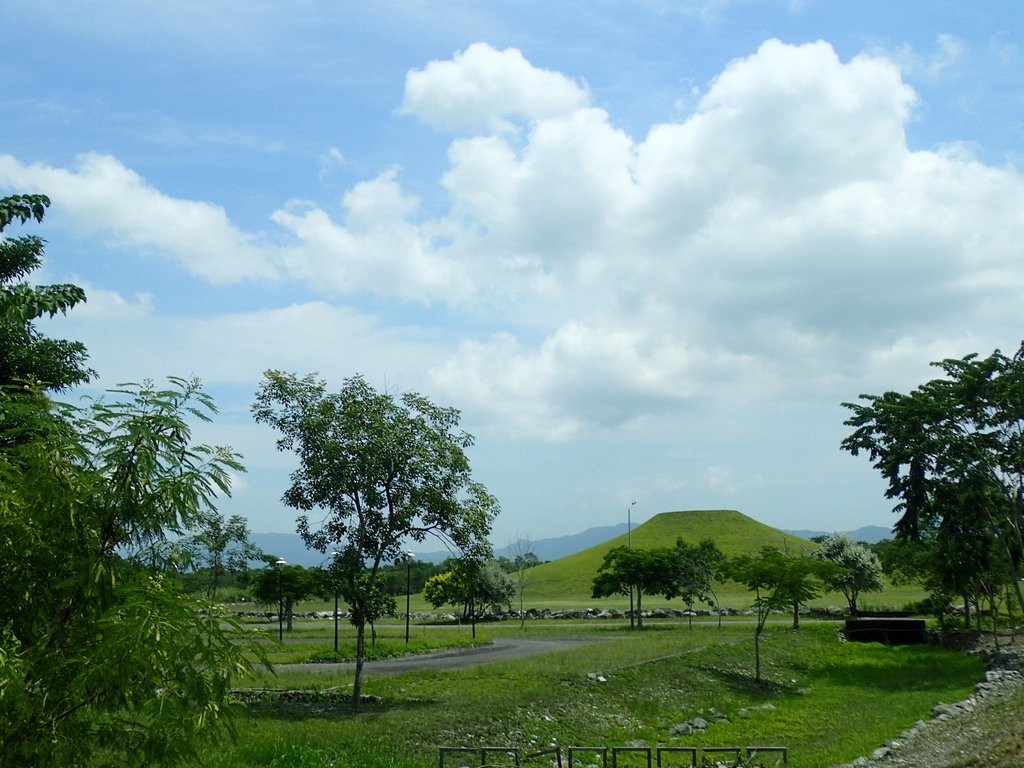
(570, 578)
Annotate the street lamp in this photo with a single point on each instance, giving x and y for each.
(629, 545)
(334, 583)
(408, 590)
(280, 599)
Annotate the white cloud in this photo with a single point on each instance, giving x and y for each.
(726, 480)
(948, 51)
(104, 196)
(780, 243)
(481, 85)
(330, 160)
(784, 230)
(235, 348)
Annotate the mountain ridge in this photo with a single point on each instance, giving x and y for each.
(290, 546)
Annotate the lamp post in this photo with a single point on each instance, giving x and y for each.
(280, 599)
(629, 545)
(408, 590)
(334, 588)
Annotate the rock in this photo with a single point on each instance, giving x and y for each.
(699, 723)
(681, 729)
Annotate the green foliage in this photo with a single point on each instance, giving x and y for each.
(26, 356)
(476, 587)
(860, 570)
(284, 585)
(383, 469)
(220, 547)
(697, 568)
(952, 452)
(645, 571)
(103, 658)
(778, 580)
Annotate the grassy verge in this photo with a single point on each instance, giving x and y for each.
(827, 701)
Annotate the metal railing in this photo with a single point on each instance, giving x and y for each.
(662, 757)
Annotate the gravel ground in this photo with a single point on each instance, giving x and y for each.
(985, 730)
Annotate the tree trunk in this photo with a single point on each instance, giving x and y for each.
(288, 605)
(357, 686)
(796, 615)
(757, 654)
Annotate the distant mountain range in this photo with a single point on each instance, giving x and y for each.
(290, 547)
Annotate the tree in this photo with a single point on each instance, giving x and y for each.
(523, 559)
(25, 354)
(101, 656)
(952, 452)
(778, 581)
(221, 546)
(442, 589)
(860, 569)
(284, 586)
(696, 568)
(379, 603)
(382, 469)
(647, 571)
(476, 587)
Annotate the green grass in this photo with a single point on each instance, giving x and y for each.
(830, 701)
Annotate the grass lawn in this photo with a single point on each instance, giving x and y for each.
(827, 701)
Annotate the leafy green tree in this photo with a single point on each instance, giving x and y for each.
(952, 452)
(476, 587)
(442, 589)
(393, 577)
(696, 569)
(382, 469)
(102, 659)
(220, 547)
(284, 586)
(379, 603)
(647, 571)
(25, 354)
(860, 570)
(779, 581)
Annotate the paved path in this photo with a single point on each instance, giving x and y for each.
(501, 649)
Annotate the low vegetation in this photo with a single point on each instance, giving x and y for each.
(827, 701)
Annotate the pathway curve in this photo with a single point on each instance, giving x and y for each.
(501, 649)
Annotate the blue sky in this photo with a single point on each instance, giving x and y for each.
(647, 248)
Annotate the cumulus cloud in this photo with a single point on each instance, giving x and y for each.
(234, 348)
(481, 85)
(782, 241)
(104, 196)
(785, 229)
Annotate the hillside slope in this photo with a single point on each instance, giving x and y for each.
(733, 532)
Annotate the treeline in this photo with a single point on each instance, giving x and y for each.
(952, 453)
